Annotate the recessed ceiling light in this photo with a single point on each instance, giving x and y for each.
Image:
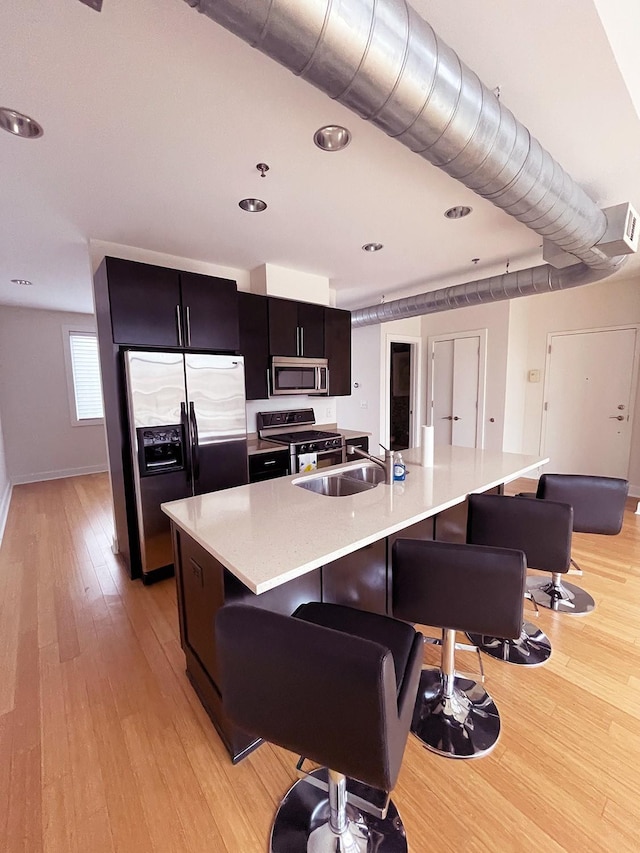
(458, 212)
(333, 137)
(20, 125)
(21, 281)
(253, 205)
(372, 247)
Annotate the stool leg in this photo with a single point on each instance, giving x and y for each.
(454, 716)
(532, 648)
(559, 595)
(310, 820)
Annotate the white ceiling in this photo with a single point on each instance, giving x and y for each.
(155, 119)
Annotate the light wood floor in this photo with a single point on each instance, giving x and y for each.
(103, 745)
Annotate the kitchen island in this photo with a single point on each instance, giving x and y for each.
(275, 545)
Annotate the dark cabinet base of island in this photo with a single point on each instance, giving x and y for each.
(361, 579)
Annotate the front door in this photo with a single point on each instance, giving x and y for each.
(589, 386)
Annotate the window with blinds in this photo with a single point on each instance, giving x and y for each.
(85, 370)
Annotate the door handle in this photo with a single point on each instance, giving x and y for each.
(447, 418)
(616, 418)
(187, 324)
(179, 322)
(456, 418)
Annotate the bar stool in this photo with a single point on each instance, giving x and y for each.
(484, 527)
(338, 686)
(598, 502)
(542, 529)
(466, 588)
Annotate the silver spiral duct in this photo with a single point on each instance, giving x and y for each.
(380, 59)
(542, 279)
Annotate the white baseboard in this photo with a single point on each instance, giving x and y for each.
(57, 475)
(634, 491)
(5, 501)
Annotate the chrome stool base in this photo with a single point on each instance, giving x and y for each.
(463, 725)
(532, 648)
(560, 596)
(301, 824)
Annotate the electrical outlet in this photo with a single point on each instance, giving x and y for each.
(364, 404)
(328, 412)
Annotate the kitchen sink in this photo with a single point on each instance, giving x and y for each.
(343, 483)
(372, 474)
(336, 486)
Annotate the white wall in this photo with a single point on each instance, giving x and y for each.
(361, 411)
(494, 318)
(5, 486)
(40, 442)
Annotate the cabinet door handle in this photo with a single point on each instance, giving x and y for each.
(301, 340)
(187, 318)
(298, 340)
(179, 323)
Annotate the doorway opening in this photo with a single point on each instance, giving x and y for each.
(401, 392)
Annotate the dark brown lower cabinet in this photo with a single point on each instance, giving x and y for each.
(203, 587)
(359, 579)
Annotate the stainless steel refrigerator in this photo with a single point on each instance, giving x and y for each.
(188, 436)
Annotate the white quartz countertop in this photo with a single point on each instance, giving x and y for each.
(271, 532)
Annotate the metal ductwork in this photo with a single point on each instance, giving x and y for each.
(381, 60)
(541, 279)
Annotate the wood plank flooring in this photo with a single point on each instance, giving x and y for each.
(104, 746)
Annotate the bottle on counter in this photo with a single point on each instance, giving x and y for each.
(399, 468)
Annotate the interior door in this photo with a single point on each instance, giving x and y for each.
(455, 390)
(588, 395)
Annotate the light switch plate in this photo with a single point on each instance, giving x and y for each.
(534, 376)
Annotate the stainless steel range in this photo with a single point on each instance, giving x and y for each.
(308, 448)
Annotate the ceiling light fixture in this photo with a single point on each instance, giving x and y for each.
(458, 212)
(253, 205)
(372, 247)
(18, 124)
(24, 281)
(332, 137)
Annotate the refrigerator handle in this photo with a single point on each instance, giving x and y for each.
(194, 442)
(186, 440)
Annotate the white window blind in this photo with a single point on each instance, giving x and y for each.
(85, 366)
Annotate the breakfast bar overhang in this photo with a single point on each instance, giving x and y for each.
(277, 546)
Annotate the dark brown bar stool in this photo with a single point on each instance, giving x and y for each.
(337, 686)
(464, 588)
(598, 502)
(542, 529)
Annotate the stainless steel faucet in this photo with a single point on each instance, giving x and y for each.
(387, 465)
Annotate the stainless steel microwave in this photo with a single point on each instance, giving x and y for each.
(295, 375)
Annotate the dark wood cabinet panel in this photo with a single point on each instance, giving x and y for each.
(359, 579)
(268, 466)
(337, 348)
(144, 301)
(311, 324)
(160, 307)
(254, 343)
(210, 311)
(283, 326)
(296, 328)
(362, 441)
(201, 585)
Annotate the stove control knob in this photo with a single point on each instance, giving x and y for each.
(303, 448)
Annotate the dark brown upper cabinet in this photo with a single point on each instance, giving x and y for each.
(296, 328)
(337, 348)
(160, 307)
(254, 343)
